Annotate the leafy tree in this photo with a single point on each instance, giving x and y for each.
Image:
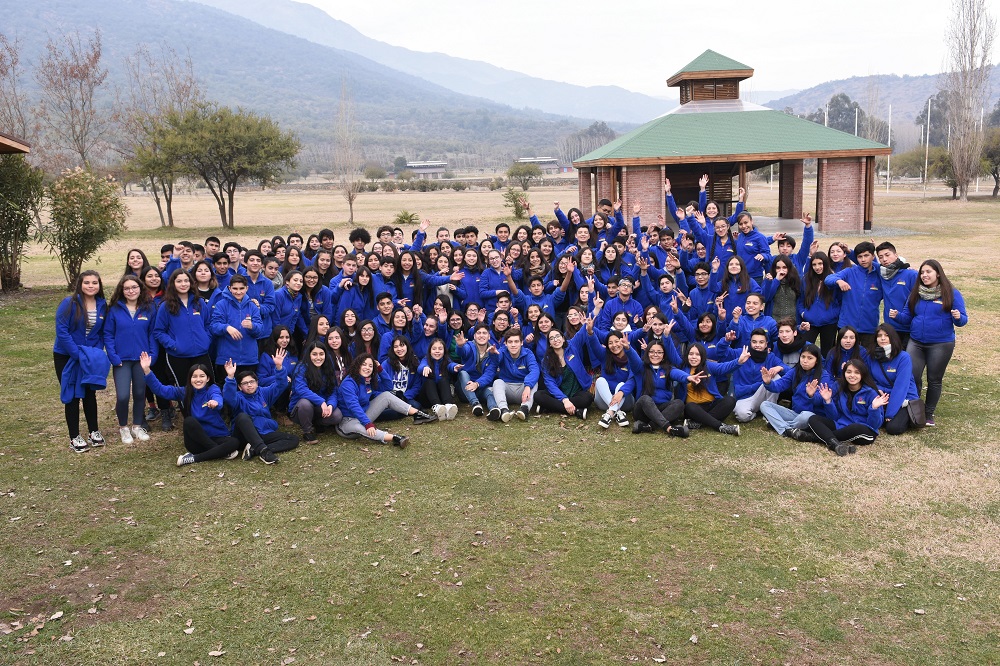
(991, 157)
(993, 120)
(228, 148)
(523, 174)
(405, 175)
(21, 192)
(85, 212)
(841, 110)
(516, 202)
(399, 164)
(940, 103)
(374, 173)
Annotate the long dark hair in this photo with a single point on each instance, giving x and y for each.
(355, 368)
(648, 387)
(189, 389)
(143, 303)
(145, 261)
(418, 282)
(895, 341)
(270, 346)
(814, 284)
(313, 335)
(286, 266)
(866, 379)
(409, 358)
(443, 363)
(711, 335)
(611, 362)
(837, 352)
(715, 237)
(173, 301)
(310, 292)
(703, 364)
(742, 279)
(79, 311)
(817, 371)
(322, 379)
(792, 280)
(359, 342)
(550, 362)
(947, 290)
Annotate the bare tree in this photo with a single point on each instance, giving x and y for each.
(70, 76)
(347, 157)
(14, 112)
(970, 43)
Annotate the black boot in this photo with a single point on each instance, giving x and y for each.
(168, 419)
(840, 448)
(678, 431)
(400, 441)
(640, 427)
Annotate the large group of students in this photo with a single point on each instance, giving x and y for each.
(640, 325)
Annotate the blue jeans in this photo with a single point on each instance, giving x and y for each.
(782, 418)
(481, 396)
(129, 380)
(603, 393)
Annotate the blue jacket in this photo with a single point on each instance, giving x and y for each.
(267, 372)
(490, 281)
(844, 355)
(628, 375)
(210, 419)
(746, 326)
(748, 246)
(846, 410)
(801, 402)
(860, 305)
(733, 297)
(258, 405)
(930, 323)
(632, 307)
(184, 334)
(230, 312)
(302, 390)
(895, 294)
(574, 359)
(354, 399)
(125, 336)
(362, 301)
(288, 312)
(437, 368)
(662, 383)
(481, 370)
(401, 381)
(895, 377)
(520, 370)
(468, 287)
(87, 370)
(715, 371)
(321, 304)
(746, 379)
(71, 331)
(819, 313)
(262, 291)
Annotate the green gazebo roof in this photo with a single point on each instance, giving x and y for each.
(712, 64)
(727, 131)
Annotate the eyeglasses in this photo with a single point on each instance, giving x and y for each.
(248, 382)
(131, 287)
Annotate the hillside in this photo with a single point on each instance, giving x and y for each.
(469, 77)
(296, 81)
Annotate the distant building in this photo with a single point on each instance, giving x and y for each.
(549, 165)
(10, 144)
(714, 132)
(428, 170)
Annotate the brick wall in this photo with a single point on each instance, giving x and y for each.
(644, 185)
(586, 193)
(604, 189)
(840, 198)
(790, 189)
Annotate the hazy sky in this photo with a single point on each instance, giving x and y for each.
(789, 44)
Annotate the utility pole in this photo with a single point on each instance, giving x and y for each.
(888, 159)
(927, 144)
(856, 110)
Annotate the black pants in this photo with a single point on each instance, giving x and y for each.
(899, 423)
(710, 414)
(162, 373)
(827, 430)
(178, 368)
(204, 447)
(308, 416)
(72, 408)
(436, 392)
(659, 415)
(246, 432)
(549, 403)
(827, 336)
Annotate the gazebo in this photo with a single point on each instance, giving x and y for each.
(10, 144)
(713, 131)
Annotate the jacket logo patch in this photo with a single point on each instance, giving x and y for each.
(862, 401)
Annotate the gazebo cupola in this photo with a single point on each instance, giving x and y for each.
(710, 76)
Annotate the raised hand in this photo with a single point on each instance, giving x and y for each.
(703, 182)
(881, 401)
(807, 220)
(744, 355)
(697, 377)
(145, 362)
(279, 357)
(826, 393)
(666, 186)
(811, 387)
(230, 369)
(636, 209)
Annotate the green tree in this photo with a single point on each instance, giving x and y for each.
(993, 120)
(85, 211)
(21, 192)
(523, 174)
(516, 202)
(228, 148)
(841, 109)
(405, 175)
(940, 104)
(991, 157)
(374, 173)
(399, 164)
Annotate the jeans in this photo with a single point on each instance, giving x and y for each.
(603, 395)
(505, 391)
(782, 418)
(481, 396)
(129, 380)
(935, 358)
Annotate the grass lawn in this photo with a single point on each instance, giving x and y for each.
(541, 542)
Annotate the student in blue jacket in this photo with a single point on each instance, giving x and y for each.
(236, 325)
(128, 331)
(516, 378)
(288, 305)
(748, 388)
(752, 246)
(704, 405)
(363, 404)
(565, 375)
(313, 400)
(803, 381)
(851, 412)
(933, 311)
(615, 388)
(892, 372)
(747, 319)
(478, 359)
(80, 323)
(897, 283)
(281, 338)
(819, 305)
(182, 333)
(861, 287)
(252, 403)
(733, 284)
(786, 245)
(657, 408)
(437, 371)
(846, 349)
(206, 436)
(399, 372)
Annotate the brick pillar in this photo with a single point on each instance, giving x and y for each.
(840, 195)
(643, 185)
(585, 178)
(790, 189)
(604, 189)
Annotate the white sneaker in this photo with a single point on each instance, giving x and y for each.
(140, 433)
(79, 444)
(126, 435)
(451, 411)
(96, 438)
(185, 459)
(440, 411)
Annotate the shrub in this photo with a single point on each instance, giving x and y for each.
(21, 193)
(458, 186)
(515, 201)
(404, 218)
(388, 186)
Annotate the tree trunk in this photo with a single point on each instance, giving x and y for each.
(168, 197)
(156, 199)
(232, 197)
(350, 206)
(996, 181)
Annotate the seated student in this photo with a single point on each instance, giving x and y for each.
(565, 374)
(656, 407)
(861, 287)
(748, 387)
(704, 405)
(803, 382)
(851, 411)
(479, 362)
(399, 372)
(746, 320)
(280, 339)
(236, 325)
(366, 341)
(620, 368)
(313, 400)
(892, 372)
(789, 342)
(261, 437)
(363, 404)
(516, 378)
(846, 348)
(206, 436)
(437, 370)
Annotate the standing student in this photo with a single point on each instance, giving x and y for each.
(933, 311)
(252, 402)
(181, 330)
(363, 404)
(128, 331)
(819, 306)
(236, 325)
(861, 287)
(80, 339)
(135, 262)
(851, 412)
(897, 283)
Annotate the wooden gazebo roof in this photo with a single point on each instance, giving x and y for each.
(10, 144)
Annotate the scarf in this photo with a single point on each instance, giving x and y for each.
(758, 356)
(889, 271)
(795, 345)
(928, 293)
(881, 354)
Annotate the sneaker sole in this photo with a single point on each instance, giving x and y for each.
(505, 418)
(604, 425)
(520, 415)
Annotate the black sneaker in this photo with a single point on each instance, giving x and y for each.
(522, 413)
(727, 429)
(681, 431)
(421, 418)
(494, 414)
(267, 457)
(582, 413)
(96, 438)
(838, 447)
(167, 416)
(640, 427)
(401, 441)
(691, 425)
(477, 409)
(506, 415)
(152, 413)
(310, 437)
